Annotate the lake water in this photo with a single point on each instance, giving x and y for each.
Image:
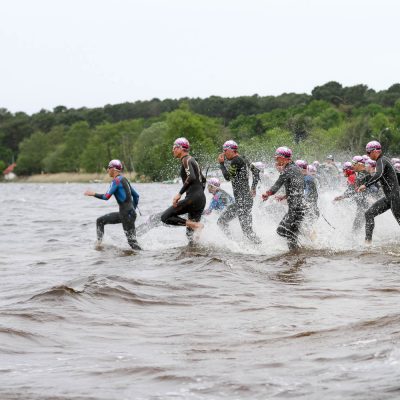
(222, 320)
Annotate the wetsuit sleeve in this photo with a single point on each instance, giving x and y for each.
(224, 171)
(135, 196)
(256, 176)
(190, 174)
(378, 174)
(278, 184)
(112, 189)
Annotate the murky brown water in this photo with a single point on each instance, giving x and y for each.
(223, 320)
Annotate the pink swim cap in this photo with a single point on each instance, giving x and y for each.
(230, 144)
(182, 143)
(302, 164)
(374, 145)
(358, 160)
(347, 166)
(283, 152)
(116, 164)
(214, 182)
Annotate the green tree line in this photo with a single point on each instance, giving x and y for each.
(332, 119)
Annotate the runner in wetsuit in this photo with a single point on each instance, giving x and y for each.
(356, 176)
(386, 175)
(193, 185)
(127, 199)
(292, 178)
(374, 191)
(360, 197)
(221, 199)
(238, 174)
(310, 191)
(370, 166)
(351, 176)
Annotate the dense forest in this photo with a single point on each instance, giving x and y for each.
(332, 119)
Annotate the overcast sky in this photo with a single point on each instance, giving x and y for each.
(88, 53)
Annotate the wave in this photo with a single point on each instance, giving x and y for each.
(55, 293)
(100, 290)
(33, 315)
(343, 332)
(17, 332)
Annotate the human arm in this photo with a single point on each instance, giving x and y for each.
(135, 197)
(105, 196)
(225, 173)
(256, 178)
(376, 177)
(277, 185)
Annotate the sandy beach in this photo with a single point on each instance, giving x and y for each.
(70, 177)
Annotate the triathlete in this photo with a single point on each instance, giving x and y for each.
(386, 175)
(374, 190)
(220, 199)
(315, 170)
(292, 178)
(310, 191)
(127, 199)
(193, 185)
(361, 177)
(330, 172)
(264, 178)
(238, 174)
(370, 166)
(351, 177)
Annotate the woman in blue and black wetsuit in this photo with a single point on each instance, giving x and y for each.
(127, 199)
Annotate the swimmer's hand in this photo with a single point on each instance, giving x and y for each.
(265, 196)
(89, 193)
(175, 200)
(221, 158)
(338, 198)
(361, 188)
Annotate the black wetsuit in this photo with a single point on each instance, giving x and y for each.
(293, 180)
(127, 199)
(386, 175)
(194, 202)
(360, 199)
(311, 198)
(238, 174)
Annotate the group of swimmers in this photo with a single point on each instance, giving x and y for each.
(366, 177)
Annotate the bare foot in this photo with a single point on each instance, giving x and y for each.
(194, 225)
(197, 227)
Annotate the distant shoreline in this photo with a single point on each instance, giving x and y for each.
(73, 177)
